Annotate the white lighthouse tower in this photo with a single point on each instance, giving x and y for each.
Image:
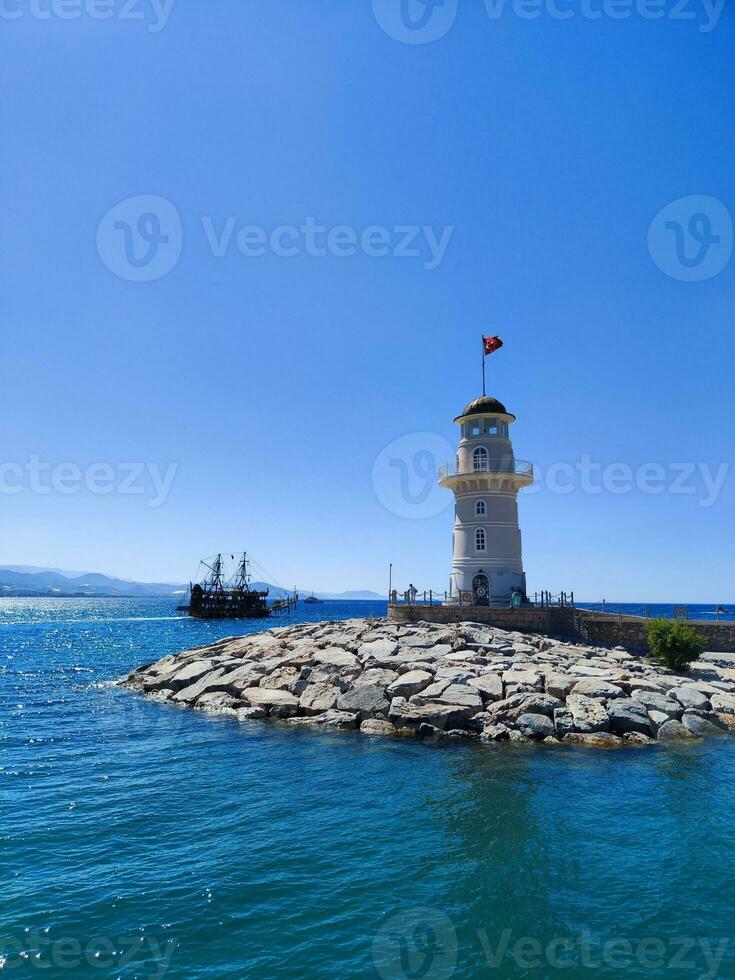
(487, 566)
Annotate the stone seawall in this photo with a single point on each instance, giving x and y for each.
(448, 681)
(601, 629)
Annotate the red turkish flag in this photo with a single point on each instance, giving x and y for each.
(490, 344)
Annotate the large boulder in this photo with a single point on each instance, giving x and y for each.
(377, 726)
(319, 697)
(627, 715)
(593, 687)
(210, 682)
(281, 679)
(494, 733)
(490, 686)
(278, 704)
(366, 701)
(723, 703)
(377, 676)
(336, 657)
(410, 683)
(689, 697)
(178, 679)
(535, 726)
(445, 716)
(701, 727)
(563, 722)
(594, 740)
(659, 702)
(558, 684)
(461, 695)
(588, 714)
(672, 731)
(522, 681)
(329, 719)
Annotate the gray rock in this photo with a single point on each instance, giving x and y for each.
(461, 695)
(592, 687)
(410, 683)
(627, 715)
(659, 702)
(210, 682)
(376, 726)
(535, 726)
(184, 677)
(336, 657)
(690, 697)
(559, 685)
(522, 681)
(366, 701)
(588, 715)
(379, 676)
(637, 739)
(490, 686)
(281, 679)
(278, 704)
(672, 731)
(701, 727)
(249, 714)
(407, 715)
(657, 718)
(218, 702)
(494, 733)
(563, 722)
(723, 703)
(317, 698)
(594, 740)
(330, 719)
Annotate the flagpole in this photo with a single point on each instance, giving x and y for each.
(483, 366)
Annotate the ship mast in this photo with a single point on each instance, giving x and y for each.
(214, 583)
(242, 576)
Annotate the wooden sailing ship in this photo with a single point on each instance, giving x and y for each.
(214, 598)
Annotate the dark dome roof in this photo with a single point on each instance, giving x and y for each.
(484, 405)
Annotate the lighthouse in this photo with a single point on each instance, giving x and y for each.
(487, 565)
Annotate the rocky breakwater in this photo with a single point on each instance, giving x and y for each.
(457, 681)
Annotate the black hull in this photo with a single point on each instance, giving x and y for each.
(228, 604)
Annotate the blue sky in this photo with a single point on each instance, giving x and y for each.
(541, 149)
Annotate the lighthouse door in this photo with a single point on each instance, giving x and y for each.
(481, 590)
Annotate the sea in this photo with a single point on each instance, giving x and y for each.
(141, 840)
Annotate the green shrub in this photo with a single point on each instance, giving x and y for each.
(673, 644)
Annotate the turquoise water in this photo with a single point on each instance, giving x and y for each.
(142, 840)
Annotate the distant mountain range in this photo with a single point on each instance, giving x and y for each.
(31, 581)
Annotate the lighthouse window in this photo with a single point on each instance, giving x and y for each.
(479, 458)
(475, 430)
(491, 427)
(480, 508)
(480, 539)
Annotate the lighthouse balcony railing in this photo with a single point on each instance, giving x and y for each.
(489, 465)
